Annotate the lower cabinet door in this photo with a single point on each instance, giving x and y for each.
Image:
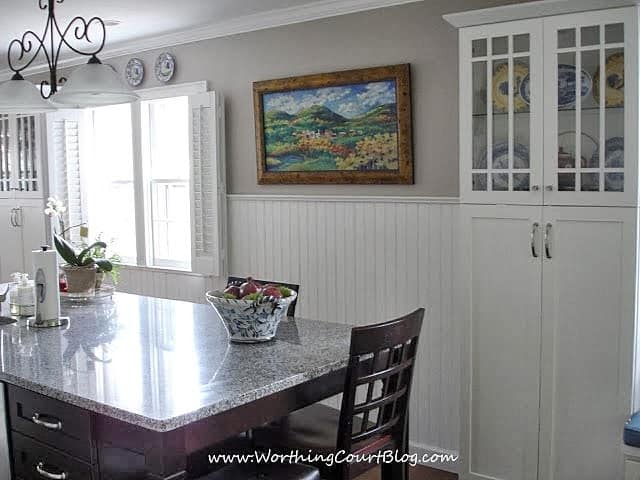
(501, 369)
(587, 341)
(33, 460)
(631, 470)
(11, 257)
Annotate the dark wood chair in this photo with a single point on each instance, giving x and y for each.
(291, 311)
(374, 412)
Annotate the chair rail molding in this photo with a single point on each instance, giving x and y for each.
(246, 23)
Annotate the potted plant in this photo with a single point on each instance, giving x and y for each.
(100, 253)
(82, 266)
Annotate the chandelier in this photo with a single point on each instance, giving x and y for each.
(90, 85)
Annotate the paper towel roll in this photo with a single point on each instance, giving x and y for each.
(45, 275)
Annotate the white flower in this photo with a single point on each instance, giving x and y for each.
(55, 207)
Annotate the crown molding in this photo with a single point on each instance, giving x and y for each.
(248, 23)
(540, 8)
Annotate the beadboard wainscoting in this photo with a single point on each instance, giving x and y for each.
(157, 282)
(359, 260)
(362, 260)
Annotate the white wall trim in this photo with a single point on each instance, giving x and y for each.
(541, 8)
(173, 271)
(342, 198)
(244, 24)
(177, 90)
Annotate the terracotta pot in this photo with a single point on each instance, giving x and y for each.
(80, 279)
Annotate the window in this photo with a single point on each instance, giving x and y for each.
(108, 174)
(165, 153)
(150, 176)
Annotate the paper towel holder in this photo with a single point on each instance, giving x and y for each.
(41, 295)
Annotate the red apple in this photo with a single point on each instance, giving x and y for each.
(233, 290)
(272, 291)
(248, 287)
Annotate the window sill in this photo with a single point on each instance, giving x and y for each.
(175, 271)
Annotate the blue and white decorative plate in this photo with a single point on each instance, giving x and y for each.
(613, 153)
(165, 67)
(500, 154)
(566, 86)
(134, 72)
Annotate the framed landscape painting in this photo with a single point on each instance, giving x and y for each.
(343, 127)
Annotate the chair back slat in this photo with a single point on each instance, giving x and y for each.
(382, 359)
(291, 311)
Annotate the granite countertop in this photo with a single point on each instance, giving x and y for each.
(162, 364)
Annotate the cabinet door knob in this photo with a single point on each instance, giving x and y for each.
(547, 241)
(534, 230)
(535, 188)
(549, 188)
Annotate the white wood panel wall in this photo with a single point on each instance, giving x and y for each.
(366, 260)
(165, 284)
(358, 260)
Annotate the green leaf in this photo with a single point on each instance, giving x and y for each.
(104, 265)
(87, 250)
(65, 249)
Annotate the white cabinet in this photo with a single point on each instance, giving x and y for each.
(547, 371)
(502, 369)
(535, 131)
(549, 186)
(22, 229)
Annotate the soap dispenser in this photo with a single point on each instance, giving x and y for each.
(22, 298)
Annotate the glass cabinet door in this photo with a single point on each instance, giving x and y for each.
(586, 161)
(503, 155)
(19, 156)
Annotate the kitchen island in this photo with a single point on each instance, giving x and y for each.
(135, 385)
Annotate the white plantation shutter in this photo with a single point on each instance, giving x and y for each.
(63, 139)
(208, 192)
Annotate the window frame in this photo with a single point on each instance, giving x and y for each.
(142, 180)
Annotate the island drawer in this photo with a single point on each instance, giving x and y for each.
(52, 422)
(34, 461)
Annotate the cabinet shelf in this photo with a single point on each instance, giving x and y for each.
(564, 110)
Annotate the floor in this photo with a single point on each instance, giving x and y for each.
(416, 473)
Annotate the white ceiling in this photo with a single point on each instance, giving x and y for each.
(142, 19)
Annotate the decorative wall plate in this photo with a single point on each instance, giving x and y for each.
(501, 87)
(614, 81)
(134, 72)
(567, 85)
(165, 67)
(500, 154)
(613, 153)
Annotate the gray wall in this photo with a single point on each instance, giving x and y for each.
(413, 33)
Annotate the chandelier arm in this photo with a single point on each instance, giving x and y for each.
(81, 29)
(26, 46)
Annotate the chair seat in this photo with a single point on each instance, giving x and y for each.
(312, 428)
(265, 472)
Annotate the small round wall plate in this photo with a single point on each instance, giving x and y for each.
(165, 67)
(134, 72)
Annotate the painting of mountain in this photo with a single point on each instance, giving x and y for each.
(346, 127)
(351, 127)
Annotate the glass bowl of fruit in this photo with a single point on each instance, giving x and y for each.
(251, 312)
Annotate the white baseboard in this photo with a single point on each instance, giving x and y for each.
(426, 451)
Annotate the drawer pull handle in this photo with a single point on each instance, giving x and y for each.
(51, 476)
(57, 425)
